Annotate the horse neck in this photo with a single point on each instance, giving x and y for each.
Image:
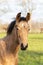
(12, 41)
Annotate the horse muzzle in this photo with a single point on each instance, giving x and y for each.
(23, 47)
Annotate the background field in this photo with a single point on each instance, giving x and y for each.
(34, 54)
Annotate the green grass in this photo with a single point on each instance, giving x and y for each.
(34, 54)
(2, 35)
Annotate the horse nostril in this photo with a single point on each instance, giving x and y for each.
(23, 46)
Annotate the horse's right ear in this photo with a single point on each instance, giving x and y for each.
(28, 16)
(18, 16)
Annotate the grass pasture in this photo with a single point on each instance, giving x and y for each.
(34, 54)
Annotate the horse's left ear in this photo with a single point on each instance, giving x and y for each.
(18, 16)
(28, 16)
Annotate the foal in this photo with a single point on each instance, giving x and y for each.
(16, 38)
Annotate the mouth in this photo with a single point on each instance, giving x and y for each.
(24, 48)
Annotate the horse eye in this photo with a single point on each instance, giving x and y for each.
(24, 26)
(28, 29)
(17, 28)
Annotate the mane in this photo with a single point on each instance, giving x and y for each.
(11, 26)
(22, 19)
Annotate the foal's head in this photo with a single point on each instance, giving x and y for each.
(22, 28)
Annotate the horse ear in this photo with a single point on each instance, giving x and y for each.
(18, 16)
(28, 16)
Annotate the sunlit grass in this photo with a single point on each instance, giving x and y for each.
(2, 34)
(34, 54)
(35, 36)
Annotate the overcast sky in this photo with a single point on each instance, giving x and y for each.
(9, 9)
